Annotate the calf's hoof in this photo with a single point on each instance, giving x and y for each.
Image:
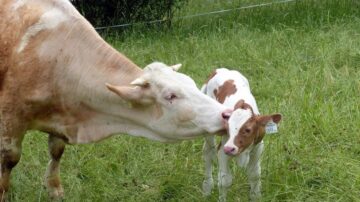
(207, 186)
(255, 197)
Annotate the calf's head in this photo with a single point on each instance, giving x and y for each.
(246, 129)
(180, 109)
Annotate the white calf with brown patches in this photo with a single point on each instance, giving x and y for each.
(59, 76)
(245, 127)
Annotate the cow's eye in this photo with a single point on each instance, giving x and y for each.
(170, 97)
(247, 130)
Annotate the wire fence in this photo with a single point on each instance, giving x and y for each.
(197, 15)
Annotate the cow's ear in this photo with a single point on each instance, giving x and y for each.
(176, 67)
(140, 82)
(128, 93)
(138, 92)
(133, 94)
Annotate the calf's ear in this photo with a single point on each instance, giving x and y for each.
(264, 119)
(241, 104)
(276, 118)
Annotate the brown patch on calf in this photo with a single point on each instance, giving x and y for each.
(227, 89)
(247, 134)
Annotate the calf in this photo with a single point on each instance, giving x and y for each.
(246, 129)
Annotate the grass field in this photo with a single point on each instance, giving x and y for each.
(302, 59)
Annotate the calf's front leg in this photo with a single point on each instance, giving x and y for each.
(209, 153)
(224, 175)
(254, 172)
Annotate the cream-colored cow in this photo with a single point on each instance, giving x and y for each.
(59, 76)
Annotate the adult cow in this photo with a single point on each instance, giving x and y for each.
(59, 76)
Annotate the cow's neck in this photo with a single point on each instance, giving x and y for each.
(83, 64)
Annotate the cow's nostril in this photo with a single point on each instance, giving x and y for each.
(226, 115)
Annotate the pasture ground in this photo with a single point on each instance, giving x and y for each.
(302, 59)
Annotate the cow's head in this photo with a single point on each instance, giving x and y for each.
(181, 109)
(245, 128)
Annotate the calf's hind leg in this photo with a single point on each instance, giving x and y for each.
(52, 175)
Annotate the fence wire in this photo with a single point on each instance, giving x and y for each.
(196, 15)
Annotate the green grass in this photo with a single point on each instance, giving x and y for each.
(302, 60)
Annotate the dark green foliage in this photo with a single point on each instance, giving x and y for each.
(108, 12)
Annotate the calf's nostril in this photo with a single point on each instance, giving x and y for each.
(229, 150)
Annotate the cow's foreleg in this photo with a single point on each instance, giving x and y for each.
(10, 152)
(52, 175)
(224, 175)
(209, 152)
(254, 172)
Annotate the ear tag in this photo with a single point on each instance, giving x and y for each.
(271, 128)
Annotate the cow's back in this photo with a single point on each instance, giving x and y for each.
(12, 27)
(26, 79)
